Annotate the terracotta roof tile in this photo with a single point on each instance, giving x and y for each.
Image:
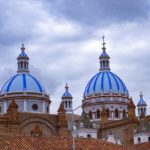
(61, 108)
(54, 143)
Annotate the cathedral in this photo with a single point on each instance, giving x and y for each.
(108, 111)
(24, 105)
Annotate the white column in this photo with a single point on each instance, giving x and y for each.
(111, 114)
(5, 107)
(121, 115)
(25, 105)
(43, 105)
(93, 115)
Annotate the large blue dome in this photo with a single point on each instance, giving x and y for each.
(22, 82)
(105, 82)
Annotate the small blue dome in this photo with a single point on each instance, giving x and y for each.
(104, 54)
(22, 82)
(22, 54)
(105, 82)
(141, 101)
(67, 93)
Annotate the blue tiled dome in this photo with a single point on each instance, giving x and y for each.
(141, 102)
(23, 54)
(105, 82)
(104, 54)
(67, 93)
(22, 82)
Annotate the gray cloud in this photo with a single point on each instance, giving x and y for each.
(99, 12)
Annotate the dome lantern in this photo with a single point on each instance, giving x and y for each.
(67, 99)
(142, 106)
(23, 61)
(104, 58)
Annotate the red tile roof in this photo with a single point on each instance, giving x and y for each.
(53, 143)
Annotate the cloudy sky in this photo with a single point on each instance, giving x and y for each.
(63, 40)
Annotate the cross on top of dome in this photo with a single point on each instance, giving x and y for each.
(104, 48)
(22, 48)
(66, 87)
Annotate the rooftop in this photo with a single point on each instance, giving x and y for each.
(53, 143)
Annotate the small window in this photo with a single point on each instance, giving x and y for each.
(0, 109)
(90, 115)
(47, 109)
(107, 113)
(124, 114)
(66, 104)
(21, 64)
(139, 140)
(116, 113)
(97, 114)
(88, 136)
(69, 104)
(35, 107)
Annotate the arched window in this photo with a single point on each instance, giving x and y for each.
(116, 113)
(21, 64)
(139, 111)
(98, 114)
(90, 115)
(25, 65)
(0, 109)
(101, 64)
(139, 140)
(69, 104)
(104, 64)
(107, 112)
(124, 114)
(66, 104)
(149, 138)
(47, 109)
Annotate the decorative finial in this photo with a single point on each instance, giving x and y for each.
(22, 48)
(141, 95)
(103, 48)
(66, 87)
